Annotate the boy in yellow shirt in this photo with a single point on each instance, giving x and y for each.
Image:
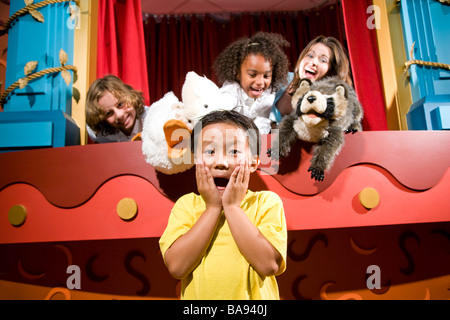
(228, 242)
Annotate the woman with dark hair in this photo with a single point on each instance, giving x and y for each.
(322, 57)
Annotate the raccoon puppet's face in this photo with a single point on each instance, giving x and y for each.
(320, 102)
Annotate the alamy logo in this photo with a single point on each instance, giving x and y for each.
(374, 279)
(73, 281)
(373, 22)
(74, 20)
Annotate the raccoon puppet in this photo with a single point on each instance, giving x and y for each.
(324, 110)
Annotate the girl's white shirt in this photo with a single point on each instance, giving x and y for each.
(256, 109)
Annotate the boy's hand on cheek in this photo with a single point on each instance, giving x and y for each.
(206, 186)
(237, 186)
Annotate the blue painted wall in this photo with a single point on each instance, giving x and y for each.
(44, 100)
(426, 23)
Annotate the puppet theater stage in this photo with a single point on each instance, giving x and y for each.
(377, 227)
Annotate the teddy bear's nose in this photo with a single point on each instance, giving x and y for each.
(311, 99)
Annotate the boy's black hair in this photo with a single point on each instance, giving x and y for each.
(233, 118)
(269, 45)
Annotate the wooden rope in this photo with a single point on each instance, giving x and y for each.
(32, 77)
(25, 10)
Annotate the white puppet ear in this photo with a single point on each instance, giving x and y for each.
(341, 101)
(304, 86)
(341, 92)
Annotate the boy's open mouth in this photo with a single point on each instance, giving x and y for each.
(221, 182)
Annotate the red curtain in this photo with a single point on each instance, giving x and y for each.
(364, 58)
(121, 48)
(178, 44)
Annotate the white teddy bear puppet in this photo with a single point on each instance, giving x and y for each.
(169, 123)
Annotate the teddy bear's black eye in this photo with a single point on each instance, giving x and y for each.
(206, 106)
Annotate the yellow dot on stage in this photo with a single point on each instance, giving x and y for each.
(127, 209)
(17, 215)
(369, 198)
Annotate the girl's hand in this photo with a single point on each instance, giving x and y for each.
(206, 186)
(237, 185)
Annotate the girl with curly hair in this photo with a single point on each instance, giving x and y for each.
(322, 57)
(115, 111)
(250, 71)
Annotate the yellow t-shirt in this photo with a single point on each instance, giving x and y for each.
(223, 272)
